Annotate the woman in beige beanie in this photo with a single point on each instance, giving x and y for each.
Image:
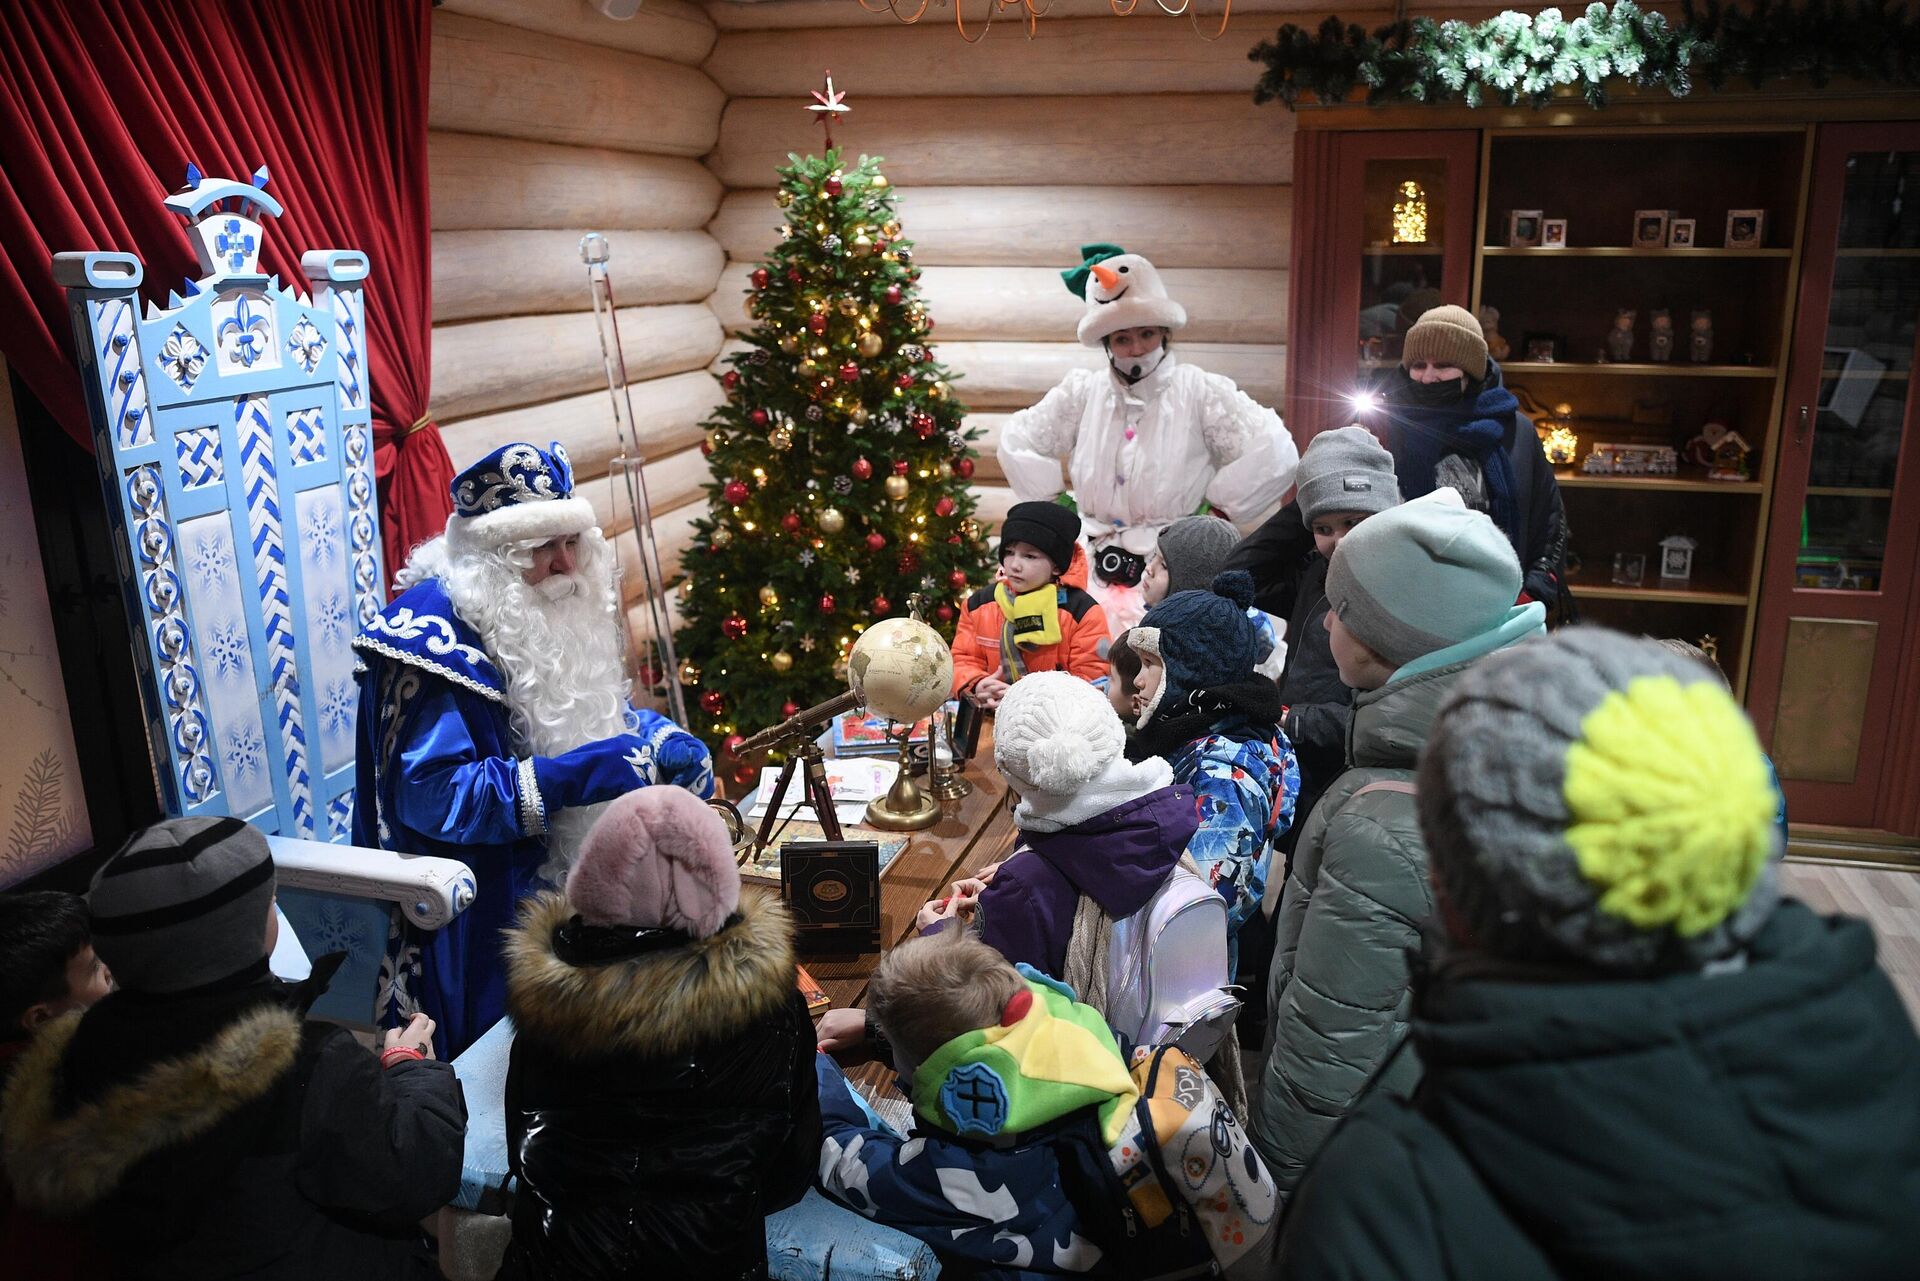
(1450, 420)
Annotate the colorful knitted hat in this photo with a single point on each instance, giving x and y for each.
(1123, 291)
(1204, 640)
(1598, 798)
(518, 493)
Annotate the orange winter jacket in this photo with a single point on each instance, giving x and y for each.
(1081, 650)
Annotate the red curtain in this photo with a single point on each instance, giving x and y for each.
(103, 103)
(1312, 280)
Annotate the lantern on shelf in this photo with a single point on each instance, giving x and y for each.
(1410, 214)
(1561, 446)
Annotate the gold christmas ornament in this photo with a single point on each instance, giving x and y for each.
(722, 536)
(789, 343)
(849, 306)
(879, 182)
(831, 521)
(946, 470)
(768, 596)
(870, 344)
(969, 528)
(781, 661)
(857, 416)
(689, 672)
(890, 229)
(809, 368)
(896, 487)
(783, 197)
(781, 437)
(862, 246)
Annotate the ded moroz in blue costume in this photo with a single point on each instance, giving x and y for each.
(494, 720)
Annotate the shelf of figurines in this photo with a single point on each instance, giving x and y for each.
(1626, 251)
(1688, 480)
(1658, 591)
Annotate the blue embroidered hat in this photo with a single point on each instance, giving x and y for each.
(518, 493)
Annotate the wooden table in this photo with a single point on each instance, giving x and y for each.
(972, 832)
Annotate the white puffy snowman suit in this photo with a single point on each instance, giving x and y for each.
(1142, 455)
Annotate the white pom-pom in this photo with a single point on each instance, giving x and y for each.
(1060, 762)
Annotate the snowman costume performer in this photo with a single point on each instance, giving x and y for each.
(1147, 440)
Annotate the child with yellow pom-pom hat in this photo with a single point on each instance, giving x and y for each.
(1640, 1060)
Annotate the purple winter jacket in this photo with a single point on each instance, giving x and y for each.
(1119, 859)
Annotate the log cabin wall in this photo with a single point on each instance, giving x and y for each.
(548, 121)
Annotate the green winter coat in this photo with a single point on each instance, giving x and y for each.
(1349, 918)
(1755, 1126)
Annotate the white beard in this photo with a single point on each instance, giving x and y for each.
(566, 684)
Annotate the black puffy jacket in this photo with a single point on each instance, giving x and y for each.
(217, 1135)
(659, 1105)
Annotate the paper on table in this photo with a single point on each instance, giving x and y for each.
(852, 783)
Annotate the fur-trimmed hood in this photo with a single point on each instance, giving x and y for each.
(66, 1164)
(658, 1003)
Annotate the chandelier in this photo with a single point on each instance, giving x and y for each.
(1034, 10)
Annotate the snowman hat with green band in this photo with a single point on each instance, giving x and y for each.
(1123, 291)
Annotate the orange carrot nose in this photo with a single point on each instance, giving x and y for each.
(1107, 276)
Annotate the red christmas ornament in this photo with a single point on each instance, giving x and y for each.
(793, 274)
(789, 708)
(924, 425)
(849, 372)
(944, 507)
(745, 774)
(893, 295)
(758, 417)
(862, 469)
(706, 447)
(944, 613)
(957, 580)
(713, 702)
(900, 467)
(832, 186)
(817, 323)
(733, 627)
(909, 562)
(760, 277)
(730, 379)
(876, 542)
(963, 467)
(881, 605)
(906, 379)
(790, 522)
(826, 602)
(735, 492)
(730, 745)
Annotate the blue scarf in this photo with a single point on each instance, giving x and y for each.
(1477, 429)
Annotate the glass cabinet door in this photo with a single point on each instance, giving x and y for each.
(1832, 639)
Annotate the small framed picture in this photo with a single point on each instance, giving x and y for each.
(1629, 569)
(1746, 228)
(1543, 349)
(1553, 233)
(1650, 228)
(1523, 228)
(1680, 234)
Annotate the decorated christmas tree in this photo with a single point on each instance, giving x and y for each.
(839, 460)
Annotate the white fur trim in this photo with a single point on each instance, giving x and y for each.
(523, 523)
(1121, 781)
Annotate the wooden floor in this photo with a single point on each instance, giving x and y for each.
(1889, 901)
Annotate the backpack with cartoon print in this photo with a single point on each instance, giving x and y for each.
(1185, 1166)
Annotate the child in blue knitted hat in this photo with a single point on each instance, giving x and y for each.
(1199, 701)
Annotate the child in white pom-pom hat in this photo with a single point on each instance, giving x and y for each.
(1148, 439)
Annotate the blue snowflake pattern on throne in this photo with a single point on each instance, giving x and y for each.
(226, 648)
(248, 329)
(246, 752)
(323, 532)
(236, 245)
(212, 562)
(337, 708)
(339, 931)
(331, 620)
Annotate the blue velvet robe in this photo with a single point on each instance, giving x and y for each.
(438, 772)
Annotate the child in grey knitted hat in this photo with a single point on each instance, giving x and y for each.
(1191, 553)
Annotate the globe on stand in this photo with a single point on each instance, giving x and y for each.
(902, 669)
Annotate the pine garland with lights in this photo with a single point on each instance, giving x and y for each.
(1517, 58)
(840, 463)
